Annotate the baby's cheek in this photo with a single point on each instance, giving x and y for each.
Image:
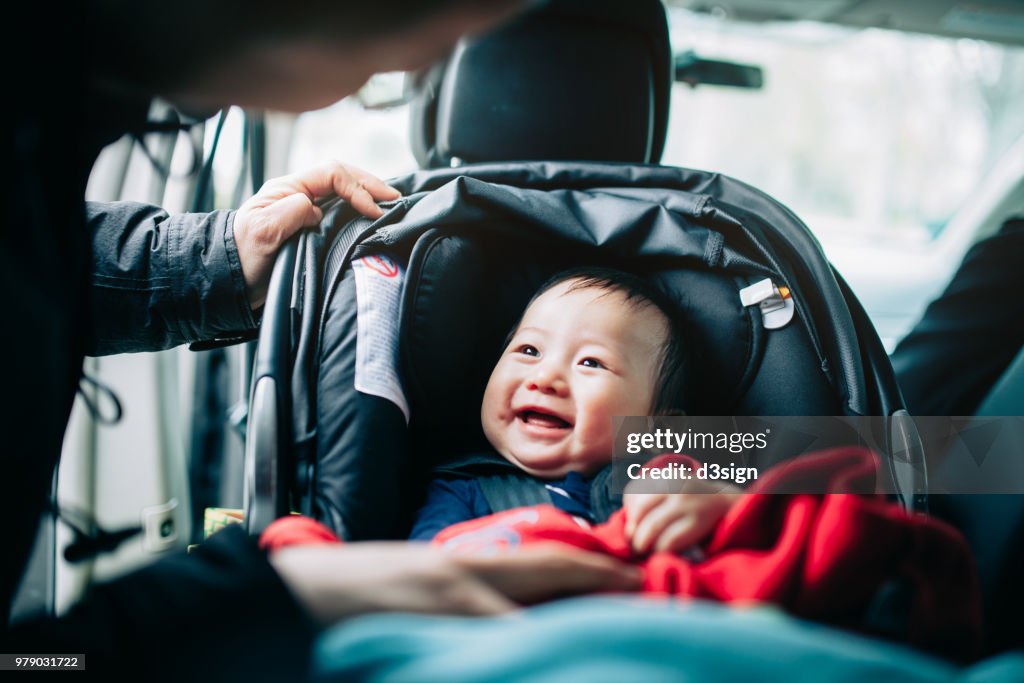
(600, 438)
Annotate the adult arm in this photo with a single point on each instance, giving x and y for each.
(219, 613)
(336, 582)
(225, 613)
(159, 280)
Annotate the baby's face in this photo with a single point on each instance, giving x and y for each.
(577, 359)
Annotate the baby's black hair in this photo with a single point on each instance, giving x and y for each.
(672, 393)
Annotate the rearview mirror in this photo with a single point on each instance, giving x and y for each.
(694, 70)
(383, 91)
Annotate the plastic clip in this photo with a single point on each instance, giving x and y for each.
(776, 303)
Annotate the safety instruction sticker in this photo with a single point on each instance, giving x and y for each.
(378, 295)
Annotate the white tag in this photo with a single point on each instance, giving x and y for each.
(378, 296)
(776, 304)
(757, 292)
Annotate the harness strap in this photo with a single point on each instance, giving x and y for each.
(507, 491)
(603, 502)
(505, 487)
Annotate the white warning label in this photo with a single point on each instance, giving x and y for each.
(378, 295)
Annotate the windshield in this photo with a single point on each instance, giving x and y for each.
(860, 132)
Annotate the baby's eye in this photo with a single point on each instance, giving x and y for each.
(527, 350)
(591, 363)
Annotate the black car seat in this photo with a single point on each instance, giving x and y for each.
(475, 241)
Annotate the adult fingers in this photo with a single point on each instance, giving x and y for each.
(362, 201)
(537, 573)
(376, 187)
(585, 572)
(287, 215)
(346, 181)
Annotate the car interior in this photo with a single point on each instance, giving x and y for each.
(586, 96)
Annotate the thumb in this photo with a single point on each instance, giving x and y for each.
(291, 213)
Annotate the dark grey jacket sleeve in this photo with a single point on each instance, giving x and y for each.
(159, 281)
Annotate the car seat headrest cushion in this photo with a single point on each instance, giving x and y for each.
(571, 81)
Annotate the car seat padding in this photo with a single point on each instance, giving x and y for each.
(476, 251)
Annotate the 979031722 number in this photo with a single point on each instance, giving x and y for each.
(15, 662)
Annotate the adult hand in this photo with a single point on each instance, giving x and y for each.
(336, 582)
(284, 205)
(542, 572)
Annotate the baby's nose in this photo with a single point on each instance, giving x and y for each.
(548, 382)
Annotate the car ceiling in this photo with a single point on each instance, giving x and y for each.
(993, 20)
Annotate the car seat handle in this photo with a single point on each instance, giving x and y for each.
(268, 433)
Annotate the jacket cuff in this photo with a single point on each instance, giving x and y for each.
(206, 258)
(237, 275)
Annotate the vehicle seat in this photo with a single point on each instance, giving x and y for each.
(572, 80)
(478, 239)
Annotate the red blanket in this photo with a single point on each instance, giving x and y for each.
(824, 556)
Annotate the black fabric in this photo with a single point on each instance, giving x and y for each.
(571, 80)
(56, 128)
(993, 526)
(159, 281)
(220, 613)
(948, 363)
(507, 491)
(365, 436)
(603, 500)
(512, 488)
(1007, 396)
(969, 335)
(479, 240)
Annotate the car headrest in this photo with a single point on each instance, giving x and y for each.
(581, 80)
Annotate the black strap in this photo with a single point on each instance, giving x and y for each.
(225, 339)
(173, 125)
(505, 487)
(90, 539)
(603, 501)
(202, 200)
(507, 491)
(93, 403)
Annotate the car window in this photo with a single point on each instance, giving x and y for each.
(374, 139)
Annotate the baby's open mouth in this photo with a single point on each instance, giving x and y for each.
(541, 419)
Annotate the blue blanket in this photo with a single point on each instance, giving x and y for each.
(628, 639)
